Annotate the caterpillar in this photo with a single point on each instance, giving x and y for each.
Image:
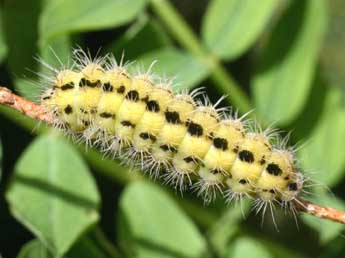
(179, 137)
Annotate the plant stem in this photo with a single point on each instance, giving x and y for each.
(186, 37)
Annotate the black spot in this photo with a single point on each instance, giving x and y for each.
(246, 156)
(133, 95)
(172, 117)
(107, 87)
(127, 123)
(235, 149)
(262, 161)
(194, 129)
(83, 111)
(67, 86)
(243, 181)
(46, 98)
(93, 84)
(292, 186)
(190, 159)
(286, 178)
(68, 109)
(146, 99)
(273, 169)
(166, 147)
(216, 171)
(152, 106)
(93, 110)
(220, 143)
(84, 82)
(121, 89)
(146, 136)
(272, 191)
(85, 123)
(107, 115)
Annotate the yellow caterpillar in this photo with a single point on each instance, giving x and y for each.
(189, 144)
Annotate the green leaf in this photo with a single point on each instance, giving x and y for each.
(152, 225)
(84, 248)
(34, 249)
(248, 247)
(65, 16)
(328, 230)
(145, 30)
(53, 193)
(178, 64)
(286, 66)
(1, 153)
(325, 151)
(230, 27)
(226, 227)
(20, 28)
(3, 46)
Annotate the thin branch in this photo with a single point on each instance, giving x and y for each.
(38, 112)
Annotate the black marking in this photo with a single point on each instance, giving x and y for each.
(84, 82)
(236, 149)
(172, 117)
(121, 89)
(107, 115)
(190, 159)
(262, 161)
(286, 178)
(46, 98)
(146, 99)
(85, 123)
(83, 111)
(274, 169)
(67, 86)
(194, 129)
(166, 147)
(246, 156)
(272, 191)
(133, 95)
(152, 106)
(220, 143)
(147, 136)
(127, 123)
(216, 171)
(210, 135)
(292, 186)
(93, 110)
(68, 109)
(107, 87)
(243, 181)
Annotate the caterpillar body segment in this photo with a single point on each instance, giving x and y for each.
(139, 119)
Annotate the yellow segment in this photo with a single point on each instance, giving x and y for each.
(276, 175)
(116, 84)
(221, 155)
(174, 129)
(153, 119)
(196, 141)
(132, 108)
(249, 164)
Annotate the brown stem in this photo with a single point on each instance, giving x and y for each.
(38, 112)
(24, 106)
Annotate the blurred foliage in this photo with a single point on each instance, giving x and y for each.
(282, 58)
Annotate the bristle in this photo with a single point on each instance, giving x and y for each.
(181, 138)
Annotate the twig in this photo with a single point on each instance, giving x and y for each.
(38, 112)
(24, 106)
